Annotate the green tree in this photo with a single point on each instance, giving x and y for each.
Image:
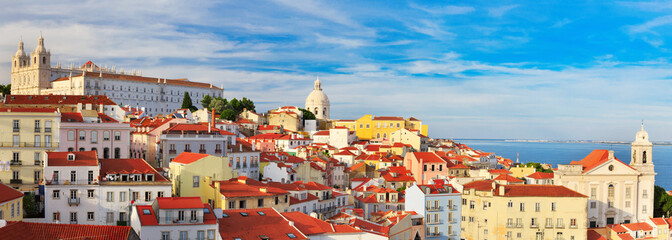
(219, 104)
(247, 104)
(186, 102)
(307, 115)
(228, 114)
(206, 101)
(6, 89)
(662, 202)
(30, 208)
(538, 167)
(236, 105)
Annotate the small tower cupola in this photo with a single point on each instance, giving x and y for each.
(642, 152)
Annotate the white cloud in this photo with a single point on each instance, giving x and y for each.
(345, 42)
(562, 23)
(444, 10)
(500, 11)
(647, 27)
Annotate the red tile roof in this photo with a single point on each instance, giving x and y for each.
(131, 165)
(321, 133)
(196, 128)
(625, 236)
(593, 235)
(438, 188)
(356, 166)
(344, 153)
(594, 159)
(253, 225)
(370, 227)
(53, 231)
(179, 82)
(402, 175)
(179, 202)
(26, 109)
(508, 178)
(151, 219)
(499, 171)
(541, 175)
(638, 226)
(388, 118)
(8, 193)
(29, 100)
(529, 190)
(481, 185)
(658, 221)
(71, 117)
(106, 119)
(459, 166)
(83, 158)
(311, 185)
(308, 225)
(618, 228)
(245, 187)
(428, 157)
(189, 157)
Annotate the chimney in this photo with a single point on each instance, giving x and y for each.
(611, 154)
(291, 223)
(212, 118)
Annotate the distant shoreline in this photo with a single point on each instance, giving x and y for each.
(558, 141)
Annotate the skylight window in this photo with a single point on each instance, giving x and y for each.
(244, 214)
(146, 212)
(225, 215)
(291, 235)
(261, 213)
(206, 210)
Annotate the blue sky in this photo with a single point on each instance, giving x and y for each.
(469, 69)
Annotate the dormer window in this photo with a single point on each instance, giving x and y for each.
(149, 177)
(124, 177)
(71, 157)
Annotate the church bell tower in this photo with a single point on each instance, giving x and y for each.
(642, 152)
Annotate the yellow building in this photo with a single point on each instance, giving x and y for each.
(288, 117)
(188, 170)
(25, 135)
(405, 136)
(308, 171)
(10, 203)
(371, 127)
(493, 211)
(243, 193)
(522, 171)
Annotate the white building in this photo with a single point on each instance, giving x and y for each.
(619, 193)
(175, 218)
(244, 159)
(89, 130)
(34, 74)
(317, 102)
(184, 137)
(80, 189)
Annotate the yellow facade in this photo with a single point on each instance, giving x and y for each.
(370, 127)
(491, 216)
(216, 199)
(306, 173)
(7, 207)
(183, 176)
(288, 120)
(521, 172)
(23, 146)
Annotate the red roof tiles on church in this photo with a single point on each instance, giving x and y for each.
(58, 99)
(49, 231)
(124, 77)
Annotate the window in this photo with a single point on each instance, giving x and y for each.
(71, 135)
(94, 137)
(472, 204)
(89, 193)
(122, 196)
(522, 207)
(200, 235)
(37, 141)
(148, 196)
(109, 217)
(553, 206)
(610, 191)
(106, 136)
(15, 125)
(37, 158)
(37, 126)
(73, 217)
(180, 215)
(643, 209)
(117, 136)
(47, 126)
(117, 152)
(15, 157)
(184, 235)
(645, 194)
(73, 177)
(593, 204)
(627, 204)
(165, 235)
(572, 222)
(193, 216)
(89, 216)
(241, 204)
(533, 222)
(56, 216)
(47, 140)
(593, 192)
(110, 197)
(549, 222)
(196, 181)
(160, 194)
(232, 205)
(82, 135)
(260, 202)
(510, 204)
(537, 207)
(15, 140)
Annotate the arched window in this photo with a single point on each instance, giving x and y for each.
(35, 60)
(14, 63)
(644, 157)
(44, 60)
(315, 110)
(610, 191)
(82, 135)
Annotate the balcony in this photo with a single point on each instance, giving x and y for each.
(509, 225)
(27, 144)
(17, 130)
(433, 208)
(534, 225)
(560, 225)
(15, 181)
(201, 151)
(37, 130)
(47, 130)
(519, 225)
(187, 150)
(434, 222)
(435, 234)
(218, 150)
(172, 151)
(38, 162)
(73, 201)
(15, 163)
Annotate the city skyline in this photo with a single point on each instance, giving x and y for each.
(469, 70)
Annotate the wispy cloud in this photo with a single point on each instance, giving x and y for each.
(500, 11)
(345, 42)
(562, 23)
(444, 10)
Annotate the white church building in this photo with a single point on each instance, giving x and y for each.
(618, 192)
(34, 75)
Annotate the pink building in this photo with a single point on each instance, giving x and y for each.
(89, 130)
(425, 166)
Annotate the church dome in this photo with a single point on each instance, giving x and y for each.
(642, 135)
(317, 96)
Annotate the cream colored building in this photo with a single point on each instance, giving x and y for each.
(414, 138)
(34, 74)
(25, 135)
(10, 204)
(243, 193)
(521, 171)
(317, 102)
(188, 170)
(289, 120)
(619, 193)
(493, 211)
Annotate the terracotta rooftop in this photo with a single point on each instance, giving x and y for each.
(83, 158)
(49, 231)
(189, 157)
(541, 175)
(594, 159)
(179, 202)
(58, 99)
(8, 193)
(179, 82)
(257, 223)
(132, 165)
